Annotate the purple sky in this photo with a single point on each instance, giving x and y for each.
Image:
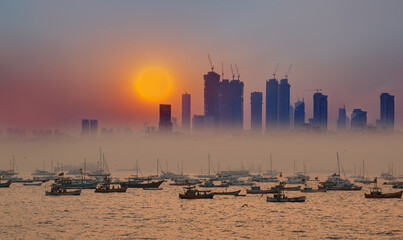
(63, 61)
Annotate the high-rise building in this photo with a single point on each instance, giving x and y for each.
(284, 104)
(272, 104)
(85, 127)
(387, 119)
(186, 111)
(198, 122)
(256, 105)
(236, 93)
(320, 111)
(224, 104)
(211, 94)
(358, 119)
(299, 114)
(93, 127)
(342, 120)
(165, 124)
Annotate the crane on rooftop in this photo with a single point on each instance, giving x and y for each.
(236, 67)
(288, 72)
(211, 64)
(232, 71)
(315, 89)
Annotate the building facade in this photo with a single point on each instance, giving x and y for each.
(256, 106)
(165, 124)
(186, 112)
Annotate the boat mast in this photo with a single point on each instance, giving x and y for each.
(100, 159)
(271, 164)
(158, 166)
(182, 167)
(209, 164)
(338, 163)
(137, 167)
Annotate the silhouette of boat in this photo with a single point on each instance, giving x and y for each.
(227, 193)
(57, 190)
(280, 197)
(210, 184)
(5, 184)
(258, 190)
(193, 193)
(133, 183)
(105, 187)
(376, 192)
(32, 184)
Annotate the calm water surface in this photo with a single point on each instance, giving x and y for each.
(26, 213)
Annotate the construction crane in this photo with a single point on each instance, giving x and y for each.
(274, 73)
(232, 71)
(289, 69)
(236, 67)
(211, 64)
(222, 70)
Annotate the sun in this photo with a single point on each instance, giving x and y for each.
(153, 84)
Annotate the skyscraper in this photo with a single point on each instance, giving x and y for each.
(186, 111)
(93, 127)
(387, 119)
(271, 104)
(299, 114)
(236, 95)
(165, 124)
(224, 104)
(284, 104)
(256, 104)
(85, 127)
(211, 93)
(342, 120)
(320, 111)
(358, 119)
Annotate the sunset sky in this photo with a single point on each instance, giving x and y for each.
(63, 61)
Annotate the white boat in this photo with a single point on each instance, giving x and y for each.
(362, 179)
(239, 182)
(271, 172)
(208, 175)
(389, 175)
(294, 180)
(260, 178)
(103, 170)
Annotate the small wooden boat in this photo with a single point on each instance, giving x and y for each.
(341, 188)
(57, 190)
(281, 187)
(311, 190)
(278, 197)
(32, 184)
(110, 190)
(257, 190)
(210, 184)
(5, 184)
(227, 193)
(376, 192)
(133, 183)
(193, 193)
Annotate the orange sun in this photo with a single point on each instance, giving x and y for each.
(153, 84)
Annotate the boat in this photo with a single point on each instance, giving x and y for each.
(362, 179)
(311, 190)
(376, 192)
(133, 183)
(32, 184)
(271, 172)
(77, 183)
(280, 197)
(389, 175)
(100, 172)
(58, 190)
(105, 187)
(193, 193)
(185, 182)
(258, 190)
(239, 182)
(38, 172)
(260, 178)
(210, 184)
(5, 184)
(235, 193)
(208, 175)
(294, 180)
(282, 186)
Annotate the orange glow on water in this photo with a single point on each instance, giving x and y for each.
(153, 84)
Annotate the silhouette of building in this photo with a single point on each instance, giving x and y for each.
(256, 105)
(89, 127)
(224, 104)
(284, 104)
(342, 120)
(299, 114)
(165, 124)
(358, 119)
(387, 118)
(320, 111)
(272, 88)
(211, 95)
(198, 122)
(186, 111)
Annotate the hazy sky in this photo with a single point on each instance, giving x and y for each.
(63, 61)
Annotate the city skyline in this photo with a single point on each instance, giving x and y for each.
(58, 85)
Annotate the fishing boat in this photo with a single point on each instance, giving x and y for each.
(311, 190)
(58, 190)
(282, 186)
(134, 183)
(105, 187)
(260, 178)
(258, 190)
(152, 188)
(227, 193)
(376, 192)
(363, 179)
(77, 183)
(239, 182)
(193, 193)
(281, 197)
(5, 184)
(271, 172)
(103, 170)
(208, 175)
(32, 184)
(210, 184)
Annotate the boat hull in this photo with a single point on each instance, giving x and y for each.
(248, 191)
(70, 193)
(227, 193)
(293, 199)
(142, 185)
(116, 190)
(384, 195)
(5, 185)
(32, 184)
(204, 196)
(313, 190)
(335, 188)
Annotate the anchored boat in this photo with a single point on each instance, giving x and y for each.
(57, 190)
(193, 193)
(234, 193)
(258, 190)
